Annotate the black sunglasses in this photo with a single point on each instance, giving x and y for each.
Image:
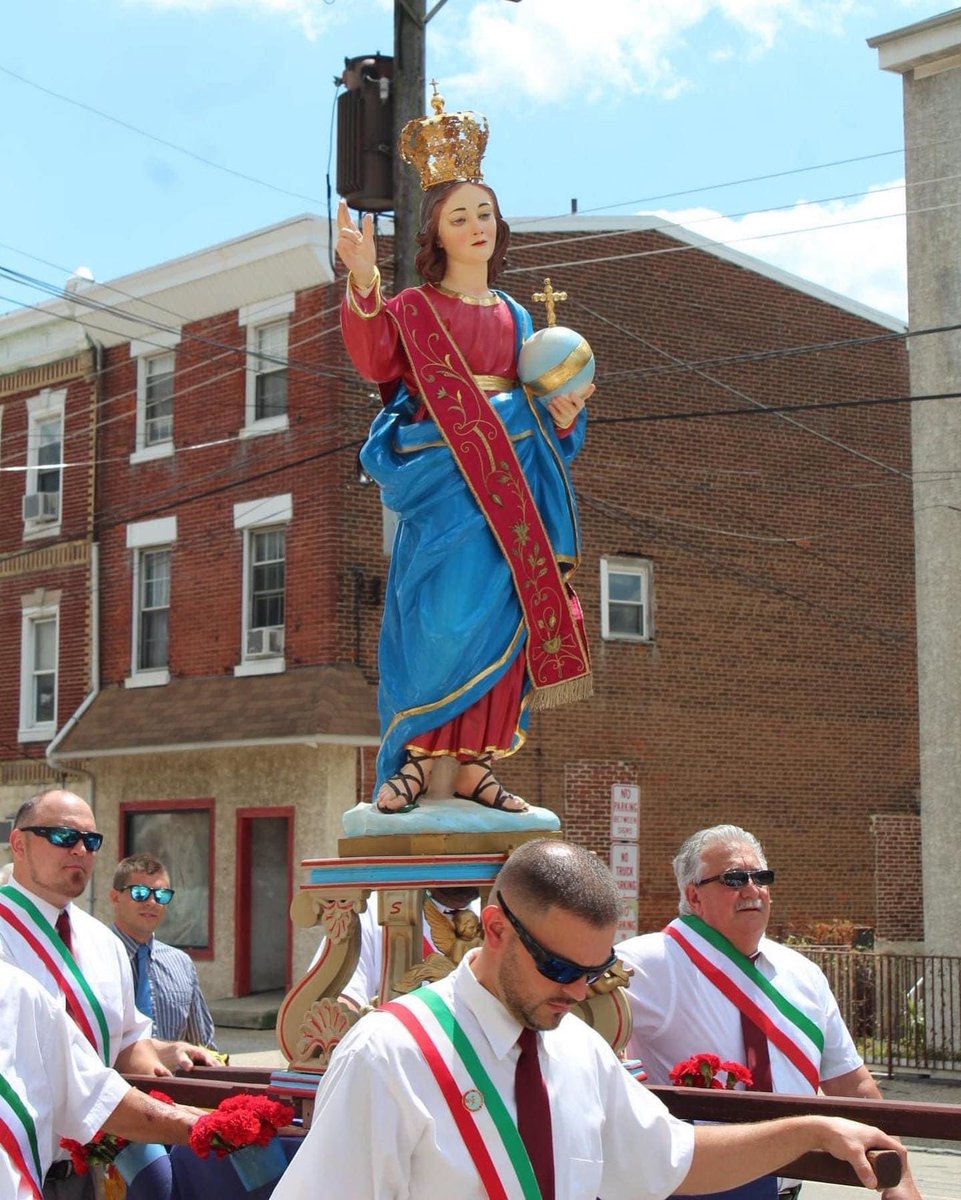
(738, 879)
(140, 892)
(63, 835)
(553, 966)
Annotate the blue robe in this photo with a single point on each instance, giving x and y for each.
(452, 622)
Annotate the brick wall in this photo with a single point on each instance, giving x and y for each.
(897, 875)
(779, 689)
(58, 561)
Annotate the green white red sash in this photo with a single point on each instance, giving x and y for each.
(482, 1118)
(32, 934)
(18, 1137)
(558, 660)
(787, 1029)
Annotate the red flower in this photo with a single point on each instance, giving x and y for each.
(239, 1121)
(701, 1070)
(103, 1148)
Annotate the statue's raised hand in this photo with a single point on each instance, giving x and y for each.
(355, 247)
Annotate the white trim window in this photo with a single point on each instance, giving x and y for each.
(153, 609)
(43, 491)
(151, 543)
(156, 365)
(265, 401)
(264, 524)
(39, 656)
(626, 588)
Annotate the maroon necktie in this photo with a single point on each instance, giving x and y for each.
(757, 1056)
(534, 1112)
(63, 928)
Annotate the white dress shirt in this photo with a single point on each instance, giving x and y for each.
(382, 1130)
(53, 1069)
(104, 963)
(678, 1012)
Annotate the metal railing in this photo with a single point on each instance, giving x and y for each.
(903, 1010)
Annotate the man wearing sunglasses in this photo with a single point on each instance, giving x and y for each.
(484, 1084)
(74, 956)
(713, 982)
(166, 986)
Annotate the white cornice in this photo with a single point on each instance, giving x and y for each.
(287, 257)
(929, 44)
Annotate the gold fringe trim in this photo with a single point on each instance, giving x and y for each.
(568, 692)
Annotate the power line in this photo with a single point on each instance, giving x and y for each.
(774, 409)
(207, 162)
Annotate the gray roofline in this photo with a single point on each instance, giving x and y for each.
(648, 221)
(945, 18)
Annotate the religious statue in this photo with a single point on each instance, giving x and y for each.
(481, 625)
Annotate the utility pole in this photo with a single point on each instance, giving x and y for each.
(410, 28)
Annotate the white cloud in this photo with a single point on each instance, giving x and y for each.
(855, 247)
(542, 49)
(314, 16)
(549, 48)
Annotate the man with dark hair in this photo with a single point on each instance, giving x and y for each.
(712, 982)
(53, 1085)
(483, 1084)
(166, 986)
(71, 954)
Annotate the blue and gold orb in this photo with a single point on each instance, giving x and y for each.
(554, 361)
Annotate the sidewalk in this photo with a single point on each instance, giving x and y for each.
(936, 1166)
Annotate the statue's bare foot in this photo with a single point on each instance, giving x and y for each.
(476, 782)
(401, 792)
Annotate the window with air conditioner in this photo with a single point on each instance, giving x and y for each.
(264, 525)
(41, 508)
(626, 599)
(38, 673)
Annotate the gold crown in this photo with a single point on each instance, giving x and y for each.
(445, 147)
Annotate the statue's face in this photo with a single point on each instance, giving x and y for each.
(467, 227)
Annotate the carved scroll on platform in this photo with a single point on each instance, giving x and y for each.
(311, 1020)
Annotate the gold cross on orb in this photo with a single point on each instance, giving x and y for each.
(549, 298)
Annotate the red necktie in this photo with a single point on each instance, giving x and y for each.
(63, 928)
(534, 1112)
(757, 1056)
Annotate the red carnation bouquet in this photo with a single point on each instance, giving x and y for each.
(237, 1122)
(701, 1071)
(102, 1150)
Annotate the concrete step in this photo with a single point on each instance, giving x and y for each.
(257, 1011)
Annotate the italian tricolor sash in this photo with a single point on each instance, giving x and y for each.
(18, 1137)
(27, 925)
(482, 1118)
(789, 1031)
(558, 661)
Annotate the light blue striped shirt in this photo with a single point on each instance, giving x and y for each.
(180, 1010)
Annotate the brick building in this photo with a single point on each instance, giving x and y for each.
(218, 568)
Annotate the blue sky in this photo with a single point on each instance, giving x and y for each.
(615, 102)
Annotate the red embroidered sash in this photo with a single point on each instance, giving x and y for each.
(558, 661)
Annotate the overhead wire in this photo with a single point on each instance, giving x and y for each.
(207, 162)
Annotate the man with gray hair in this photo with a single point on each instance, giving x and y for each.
(713, 982)
(484, 1084)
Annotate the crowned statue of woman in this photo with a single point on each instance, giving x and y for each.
(480, 623)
